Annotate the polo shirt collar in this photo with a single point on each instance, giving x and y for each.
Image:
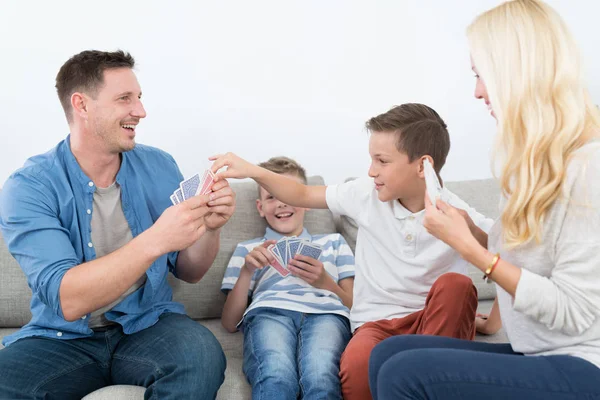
(401, 212)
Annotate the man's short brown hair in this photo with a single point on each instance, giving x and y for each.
(419, 131)
(84, 72)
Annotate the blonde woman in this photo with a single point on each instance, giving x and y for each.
(544, 251)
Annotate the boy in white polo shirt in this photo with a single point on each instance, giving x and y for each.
(407, 281)
(295, 327)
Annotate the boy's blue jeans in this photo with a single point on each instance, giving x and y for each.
(176, 358)
(434, 367)
(290, 355)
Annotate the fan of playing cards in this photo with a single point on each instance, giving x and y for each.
(287, 247)
(193, 186)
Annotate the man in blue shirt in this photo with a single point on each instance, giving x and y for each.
(90, 224)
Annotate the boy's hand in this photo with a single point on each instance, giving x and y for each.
(236, 167)
(259, 257)
(310, 270)
(481, 323)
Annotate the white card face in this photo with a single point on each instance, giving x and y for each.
(434, 189)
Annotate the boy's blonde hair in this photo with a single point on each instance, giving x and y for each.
(531, 68)
(284, 165)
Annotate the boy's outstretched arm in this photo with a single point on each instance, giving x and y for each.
(283, 188)
(237, 299)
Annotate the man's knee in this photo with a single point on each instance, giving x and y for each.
(209, 353)
(199, 357)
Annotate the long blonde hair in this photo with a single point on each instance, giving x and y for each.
(531, 68)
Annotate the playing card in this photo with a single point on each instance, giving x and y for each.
(276, 253)
(292, 246)
(282, 248)
(310, 250)
(276, 264)
(178, 195)
(434, 189)
(174, 199)
(207, 182)
(202, 182)
(190, 186)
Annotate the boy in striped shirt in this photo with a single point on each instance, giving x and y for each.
(295, 327)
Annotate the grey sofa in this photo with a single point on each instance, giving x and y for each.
(204, 301)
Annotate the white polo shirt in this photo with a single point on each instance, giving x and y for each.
(397, 260)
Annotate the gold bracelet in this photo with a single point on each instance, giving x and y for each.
(491, 267)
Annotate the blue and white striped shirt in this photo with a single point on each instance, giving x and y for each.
(269, 289)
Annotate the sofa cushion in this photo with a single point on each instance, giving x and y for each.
(15, 295)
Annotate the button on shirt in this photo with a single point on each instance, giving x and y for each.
(45, 219)
(397, 260)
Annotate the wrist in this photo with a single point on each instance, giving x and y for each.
(213, 232)
(151, 243)
(329, 284)
(472, 251)
(247, 270)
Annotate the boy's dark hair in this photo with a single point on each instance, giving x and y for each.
(284, 165)
(419, 131)
(84, 72)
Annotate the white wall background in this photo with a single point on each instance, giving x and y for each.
(262, 78)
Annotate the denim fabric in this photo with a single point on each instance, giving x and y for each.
(433, 367)
(176, 358)
(290, 355)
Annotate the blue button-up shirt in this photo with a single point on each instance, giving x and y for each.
(45, 218)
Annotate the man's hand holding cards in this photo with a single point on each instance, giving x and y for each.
(221, 202)
(195, 185)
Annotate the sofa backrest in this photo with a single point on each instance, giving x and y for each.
(204, 299)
